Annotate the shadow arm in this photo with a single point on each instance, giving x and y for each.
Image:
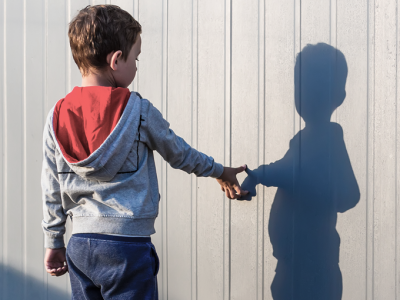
(346, 190)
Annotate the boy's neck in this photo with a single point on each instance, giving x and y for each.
(98, 79)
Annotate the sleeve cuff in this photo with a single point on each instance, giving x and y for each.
(218, 170)
(53, 242)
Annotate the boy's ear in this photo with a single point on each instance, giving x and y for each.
(112, 59)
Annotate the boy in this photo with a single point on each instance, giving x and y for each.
(98, 165)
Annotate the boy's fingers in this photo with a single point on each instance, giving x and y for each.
(62, 268)
(240, 192)
(55, 271)
(228, 192)
(61, 272)
(58, 272)
(232, 193)
(52, 272)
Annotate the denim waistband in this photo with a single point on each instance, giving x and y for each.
(113, 237)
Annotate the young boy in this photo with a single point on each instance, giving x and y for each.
(98, 165)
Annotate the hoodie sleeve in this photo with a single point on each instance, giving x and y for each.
(159, 137)
(54, 218)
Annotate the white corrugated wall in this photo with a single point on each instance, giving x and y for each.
(222, 73)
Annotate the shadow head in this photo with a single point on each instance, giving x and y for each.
(320, 82)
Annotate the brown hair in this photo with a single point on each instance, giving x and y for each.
(98, 30)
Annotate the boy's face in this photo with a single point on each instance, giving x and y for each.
(126, 71)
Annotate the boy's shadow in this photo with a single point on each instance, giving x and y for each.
(315, 181)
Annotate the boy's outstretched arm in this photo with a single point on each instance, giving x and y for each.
(157, 135)
(229, 183)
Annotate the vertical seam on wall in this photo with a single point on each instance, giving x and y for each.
(2, 170)
(294, 107)
(224, 207)
(5, 142)
(197, 125)
(24, 168)
(191, 142)
(332, 81)
(45, 102)
(46, 32)
(300, 138)
(4, 156)
(373, 175)
(294, 55)
(333, 42)
(260, 157)
(230, 84)
(396, 169)
(46, 105)
(258, 142)
(230, 138)
(366, 164)
(298, 14)
(336, 35)
(263, 154)
(227, 147)
(330, 104)
(258, 138)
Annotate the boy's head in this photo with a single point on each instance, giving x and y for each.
(104, 36)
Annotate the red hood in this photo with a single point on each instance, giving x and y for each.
(85, 117)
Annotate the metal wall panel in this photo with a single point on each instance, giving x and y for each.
(223, 74)
(244, 145)
(34, 59)
(210, 139)
(351, 38)
(151, 17)
(13, 228)
(384, 151)
(179, 113)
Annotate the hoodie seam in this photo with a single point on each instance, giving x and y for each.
(137, 155)
(114, 216)
(137, 148)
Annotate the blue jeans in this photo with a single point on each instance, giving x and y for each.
(112, 267)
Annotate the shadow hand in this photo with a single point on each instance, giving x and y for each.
(249, 184)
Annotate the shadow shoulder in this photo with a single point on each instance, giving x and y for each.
(295, 140)
(337, 127)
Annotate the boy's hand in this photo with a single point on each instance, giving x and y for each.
(55, 262)
(229, 183)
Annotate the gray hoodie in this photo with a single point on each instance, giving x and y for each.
(115, 189)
